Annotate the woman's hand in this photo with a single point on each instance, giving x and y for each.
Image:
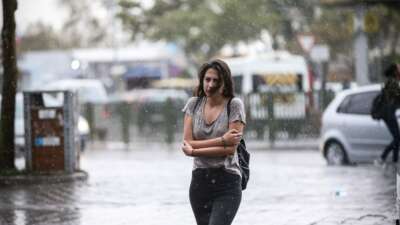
(232, 137)
(187, 148)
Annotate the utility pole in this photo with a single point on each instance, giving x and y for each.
(360, 46)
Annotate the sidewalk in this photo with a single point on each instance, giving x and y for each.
(126, 186)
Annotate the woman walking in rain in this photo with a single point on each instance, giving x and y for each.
(211, 137)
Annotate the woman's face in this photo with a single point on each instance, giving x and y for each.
(212, 83)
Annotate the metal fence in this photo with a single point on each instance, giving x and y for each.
(270, 117)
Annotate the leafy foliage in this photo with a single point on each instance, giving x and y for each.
(39, 36)
(201, 27)
(334, 28)
(82, 28)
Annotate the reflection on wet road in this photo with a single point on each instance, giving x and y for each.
(148, 185)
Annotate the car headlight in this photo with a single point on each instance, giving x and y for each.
(83, 126)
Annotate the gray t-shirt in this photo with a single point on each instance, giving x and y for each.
(201, 131)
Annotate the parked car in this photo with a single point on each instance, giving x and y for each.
(83, 127)
(348, 132)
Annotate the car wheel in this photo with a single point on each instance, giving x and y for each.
(335, 154)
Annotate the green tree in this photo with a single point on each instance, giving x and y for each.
(293, 17)
(82, 28)
(390, 31)
(334, 28)
(201, 27)
(336, 24)
(9, 85)
(39, 36)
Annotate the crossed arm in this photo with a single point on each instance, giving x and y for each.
(220, 146)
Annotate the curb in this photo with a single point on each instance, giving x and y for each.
(44, 178)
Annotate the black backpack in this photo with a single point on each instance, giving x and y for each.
(243, 155)
(377, 107)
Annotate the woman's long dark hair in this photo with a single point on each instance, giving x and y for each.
(224, 74)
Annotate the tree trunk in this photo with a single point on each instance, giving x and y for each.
(9, 85)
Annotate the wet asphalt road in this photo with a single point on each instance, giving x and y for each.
(148, 185)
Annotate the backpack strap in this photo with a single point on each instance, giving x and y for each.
(229, 107)
(196, 104)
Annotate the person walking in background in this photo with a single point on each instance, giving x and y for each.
(210, 136)
(391, 96)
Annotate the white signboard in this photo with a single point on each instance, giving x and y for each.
(306, 42)
(320, 53)
(47, 114)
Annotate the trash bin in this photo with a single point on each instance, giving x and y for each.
(50, 131)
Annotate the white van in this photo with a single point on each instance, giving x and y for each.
(284, 74)
(270, 72)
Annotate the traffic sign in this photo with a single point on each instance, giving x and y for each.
(306, 42)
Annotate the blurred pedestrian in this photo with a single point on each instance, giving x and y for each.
(170, 119)
(391, 96)
(211, 138)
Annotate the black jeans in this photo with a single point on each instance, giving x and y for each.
(393, 127)
(215, 196)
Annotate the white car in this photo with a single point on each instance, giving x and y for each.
(348, 132)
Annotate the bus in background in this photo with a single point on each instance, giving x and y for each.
(286, 76)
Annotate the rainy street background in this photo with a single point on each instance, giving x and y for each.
(148, 185)
(130, 67)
